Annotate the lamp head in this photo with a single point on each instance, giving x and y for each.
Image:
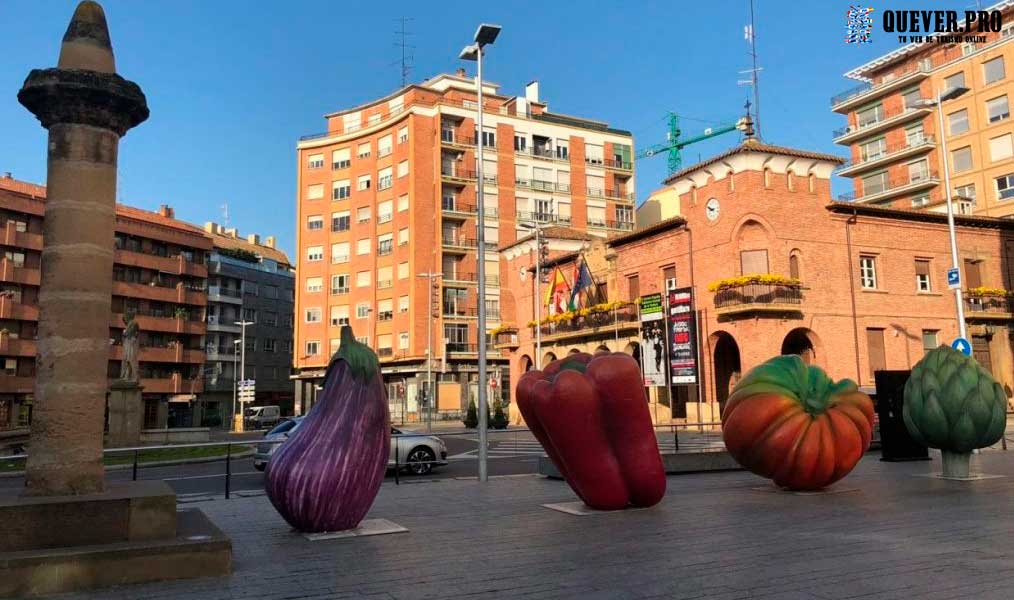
(486, 34)
(469, 52)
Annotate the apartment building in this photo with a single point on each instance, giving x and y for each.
(388, 194)
(159, 274)
(893, 129)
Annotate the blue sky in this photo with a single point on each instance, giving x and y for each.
(231, 85)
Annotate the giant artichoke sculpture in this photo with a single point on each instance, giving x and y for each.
(954, 404)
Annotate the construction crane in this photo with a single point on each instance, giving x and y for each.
(674, 142)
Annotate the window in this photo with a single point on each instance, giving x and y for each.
(339, 315)
(270, 345)
(384, 179)
(384, 277)
(918, 170)
(373, 119)
(402, 341)
(270, 318)
(340, 221)
(315, 161)
(315, 191)
(362, 247)
(384, 146)
(1000, 147)
(402, 135)
(520, 142)
(868, 272)
(314, 222)
(867, 151)
(954, 81)
(1005, 187)
(957, 122)
(794, 266)
(339, 253)
(869, 115)
(341, 189)
(314, 253)
(993, 70)
(596, 215)
(403, 203)
(966, 191)
(489, 138)
(961, 159)
(384, 211)
(250, 315)
(874, 184)
(313, 315)
(363, 151)
(384, 312)
(339, 284)
(625, 214)
(340, 159)
(753, 261)
(997, 109)
(593, 154)
(563, 149)
(385, 244)
(312, 347)
(920, 200)
(633, 287)
(363, 182)
(362, 310)
(922, 275)
(930, 340)
(403, 304)
(362, 214)
(314, 284)
(875, 350)
(403, 236)
(967, 48)
(403, 270)
(403, 168)
(915, 135)
(363, 279)
(911, 98)
(10, 366)
(250, 287)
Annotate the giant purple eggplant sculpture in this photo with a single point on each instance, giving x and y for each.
(326, 476)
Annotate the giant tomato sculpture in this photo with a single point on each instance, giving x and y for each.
(591, 416)
(326, 476)
(791, 423)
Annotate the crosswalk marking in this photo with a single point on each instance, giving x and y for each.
(531, 447)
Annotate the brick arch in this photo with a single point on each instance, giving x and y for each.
(753, 227)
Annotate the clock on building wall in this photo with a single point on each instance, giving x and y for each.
(711, 209)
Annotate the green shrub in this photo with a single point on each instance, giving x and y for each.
(471, 419)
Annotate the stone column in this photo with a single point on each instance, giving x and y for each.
(87, 108)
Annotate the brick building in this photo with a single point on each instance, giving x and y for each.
(389, 193)
(159, 274)
(871, 291)
(892, 125)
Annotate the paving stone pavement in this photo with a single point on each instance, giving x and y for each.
(714, 537)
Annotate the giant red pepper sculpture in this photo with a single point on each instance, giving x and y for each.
(591, 416)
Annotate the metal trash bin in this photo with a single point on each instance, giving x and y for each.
(895, 442)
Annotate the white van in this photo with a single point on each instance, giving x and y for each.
(261, 417)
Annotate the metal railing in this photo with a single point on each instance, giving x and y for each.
(989, 304)
(915, 142)
(890, 186)
(758, 294)
(863, 88)
(458, 173)
(850, 129)
(623, 314)
(618, 164)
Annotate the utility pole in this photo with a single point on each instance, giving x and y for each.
(406, 58)
(242, 357)
(752, 38)
(430, 396)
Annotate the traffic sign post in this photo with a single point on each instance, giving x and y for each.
(962, 345)
(954, 279)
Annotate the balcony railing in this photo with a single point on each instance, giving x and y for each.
(339, 291)
(221, 291)
(865, 88)
(892, 187)
(619, 195)
(541, 217)
(618, 164)
(609, 224)
(458, 173)
(460, 242)
(454, 312)
(457, 140)
(753, 297)
(491, 278)
(875, 125)
(989, 307)
(468, 348)
(623, 316)
(888, 154)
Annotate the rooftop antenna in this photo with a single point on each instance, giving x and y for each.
(406, 48)
(225, 215)
(750, 35)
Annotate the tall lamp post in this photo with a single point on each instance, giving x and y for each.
(485, 35)
(235, 355)
(429, 348)
(537, 228)
(242, 356)
(943, 96)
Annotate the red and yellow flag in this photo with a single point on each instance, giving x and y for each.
(558, 294)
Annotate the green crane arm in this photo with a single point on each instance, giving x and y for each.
(708, 133)
(653, 150)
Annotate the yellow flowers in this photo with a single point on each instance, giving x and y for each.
(764, 279)
(605, 307)
(987, 291)
(507, 329)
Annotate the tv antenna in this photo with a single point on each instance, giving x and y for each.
(750, 34)
(225, 215)
(406, 48)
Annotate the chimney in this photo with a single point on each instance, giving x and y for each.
(532, 91)
(211, 227)
(232, 232)
(269, 241)
(253, 238)
(460, 72)
(166, 211)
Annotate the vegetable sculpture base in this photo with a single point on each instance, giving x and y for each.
(954, 404)
(326, 476)
(591, 416)
(791, 423)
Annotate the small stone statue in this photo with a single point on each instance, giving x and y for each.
(129, 366)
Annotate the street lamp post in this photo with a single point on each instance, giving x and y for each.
(242, 357)
(430, 396)
(486, 34)
(939, 103)
(538, 290)
(235, 354)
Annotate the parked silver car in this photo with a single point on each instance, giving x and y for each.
(417, 453)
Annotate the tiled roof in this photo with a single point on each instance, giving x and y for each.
(554, 232)
(231, 243)
(752, 145)
(650, 230)
(140, 214)
(914, 214)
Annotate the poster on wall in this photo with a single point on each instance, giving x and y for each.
(682, 342)
(652, 340)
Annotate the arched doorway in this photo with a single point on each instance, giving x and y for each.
(803, 342)
(526, 363)
(548, 358)
(603, 348)
(574, 351)
(726, 366)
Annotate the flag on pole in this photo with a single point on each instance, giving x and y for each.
(558, 293)
(582, 282)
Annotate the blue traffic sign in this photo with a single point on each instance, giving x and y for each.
(962, 345)
(953, 279)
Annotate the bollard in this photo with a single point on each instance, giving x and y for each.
(397, 466)
(135, 465)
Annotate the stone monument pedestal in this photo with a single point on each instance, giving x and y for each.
(129, 533)
(126, 413)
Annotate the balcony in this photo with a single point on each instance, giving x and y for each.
(223, 324)
(506, 339)
(893, 188)
(913, 147)
(452, 313)
(457, 176)
(752, 298)
(471, 349)
(161, 321)
(175, 265)
(221, 352)
(989, 308)
(12, 346)
(11, 310)
(179, 294)
(536, 217)
(608, 224)
(449, 138)
(602, 323)
(175, 384)
(861, 94)
(618, 164)
(174, 353)
(618, 195)
(851, 133)
(10, 236)
(460, 278)
(13, 273)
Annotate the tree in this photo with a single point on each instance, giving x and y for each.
(499, 420)
(472, 416)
